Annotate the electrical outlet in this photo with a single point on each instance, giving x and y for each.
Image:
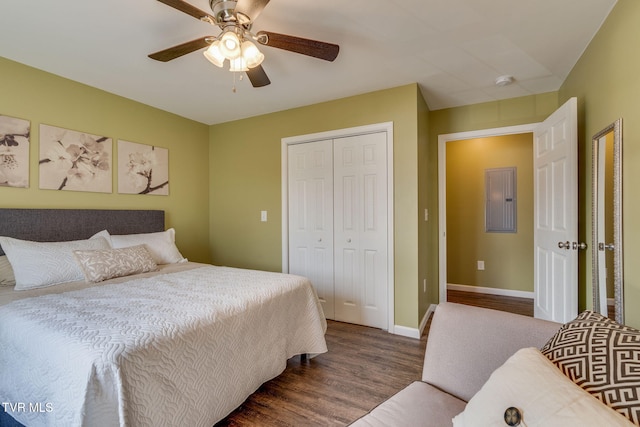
(263, 216)
(426, 215)
(480, 265)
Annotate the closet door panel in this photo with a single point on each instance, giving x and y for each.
(360, 229)
(310, 179)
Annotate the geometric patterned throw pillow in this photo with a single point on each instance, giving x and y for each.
(602, 357)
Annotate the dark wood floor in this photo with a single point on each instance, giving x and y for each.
(364, 367)
(516, 305)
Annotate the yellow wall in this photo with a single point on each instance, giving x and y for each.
(508, 257)
(246, 179)
(606, 82)
(41, 97)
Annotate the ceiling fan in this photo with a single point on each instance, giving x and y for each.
(235, 42)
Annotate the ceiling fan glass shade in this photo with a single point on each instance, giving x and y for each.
(214, 55)
(230, 45)
(251, 54)
(238, 64)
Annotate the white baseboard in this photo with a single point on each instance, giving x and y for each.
(406, 331)
(425, 318)
(490, 291)
(413, 332)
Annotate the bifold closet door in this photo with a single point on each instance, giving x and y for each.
(360, 229)
(310, 179)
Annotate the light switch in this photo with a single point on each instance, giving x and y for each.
(480, 265)
(263, 216)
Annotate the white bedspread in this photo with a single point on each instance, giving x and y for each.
(178, 349)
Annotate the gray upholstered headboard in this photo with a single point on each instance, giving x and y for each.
(57, 225)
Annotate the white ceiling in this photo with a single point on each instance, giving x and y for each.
(454, 50)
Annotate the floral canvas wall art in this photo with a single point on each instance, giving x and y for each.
(14, 152)
(74, 161)
(142, 169)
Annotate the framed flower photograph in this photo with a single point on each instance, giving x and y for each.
(14, 152)
(74, 161)
(142, 169)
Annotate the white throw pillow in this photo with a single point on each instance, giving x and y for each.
(161, 245)
(103, 264)
(41, 264)
(7, 278)
(543, 395)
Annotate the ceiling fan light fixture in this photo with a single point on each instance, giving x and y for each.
(251, 54)
(213, 54)
(238, 64)
(230, 45)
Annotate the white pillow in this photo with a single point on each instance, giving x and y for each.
(160, 245)
(543, 395)
(7, 278)
(41, 264)
(103, 264)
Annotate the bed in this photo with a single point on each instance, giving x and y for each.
(183, 345)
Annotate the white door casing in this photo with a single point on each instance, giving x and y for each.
(360, 229)
(311, 217)
(555, 215)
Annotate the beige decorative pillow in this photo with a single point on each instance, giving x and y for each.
(602, 357)
(532, 387)
(7, 277)
(106, 264)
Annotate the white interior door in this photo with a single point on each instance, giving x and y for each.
(310, 167)
(556, 215)
(360, 229)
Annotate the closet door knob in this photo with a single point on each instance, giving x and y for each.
(320, 240)
(348, 240)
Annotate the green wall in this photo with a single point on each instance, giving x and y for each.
(508, 257)
(427, 233)
(245, 178)
(222, 176)
(41, 97)
(606, 82)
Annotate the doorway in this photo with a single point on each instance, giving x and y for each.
(555, 210)
(490, 216)
(443, 140)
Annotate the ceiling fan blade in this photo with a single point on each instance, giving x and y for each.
(258, 77)
(315, 48)
(250, 8)
(181, 49)
(188, 9)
